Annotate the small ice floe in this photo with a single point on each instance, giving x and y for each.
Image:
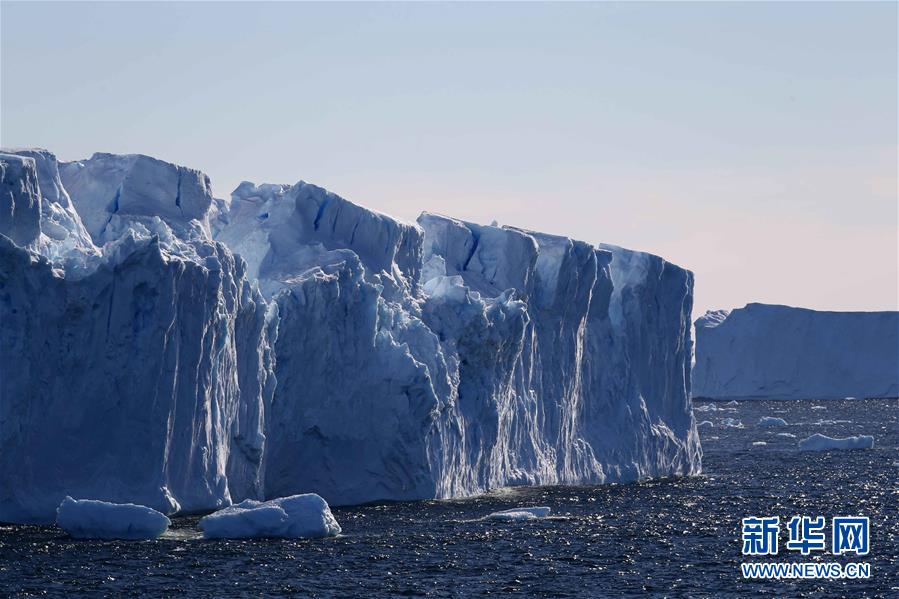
(819, 442)
(788, 435)
(92, 519)
(731, 422)
(830, 422)
(732, 403)
(768, 421)
(759, 443)
(519, 514)
(709, 407)
(850, 397)
(818, 408)
(705, 423)
(296, 517)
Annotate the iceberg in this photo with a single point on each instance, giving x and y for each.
(519, 514)
(769, 421)
(183, 352)
(306, 516)
(779, 352)
(819, 442)
(90, 519)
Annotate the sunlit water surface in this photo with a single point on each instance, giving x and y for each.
(677, 537)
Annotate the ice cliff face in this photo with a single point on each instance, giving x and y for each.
(136, 375)
(778, 352)
(182, 352)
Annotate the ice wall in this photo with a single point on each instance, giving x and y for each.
(778, 352)
(140, 379)
(179, 351)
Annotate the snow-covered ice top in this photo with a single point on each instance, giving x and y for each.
(109, 187)
(300, 516)
(20, 202)
(766, 351)
(283, 230)
(90, 519)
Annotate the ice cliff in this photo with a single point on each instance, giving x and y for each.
(162, 347)
(778, 352)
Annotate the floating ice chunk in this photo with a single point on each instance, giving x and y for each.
(768, 421)
(788, 435)
(91, 519)
(732, 403)
(298, 516)
(831, 422)
(732, 423)
(819, 442)
(709, 407)
(759, 443)
(705, 423)
(519, 514)
(819, 408)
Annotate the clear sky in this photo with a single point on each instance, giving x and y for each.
(755, 144)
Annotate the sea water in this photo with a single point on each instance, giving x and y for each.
(674, 537)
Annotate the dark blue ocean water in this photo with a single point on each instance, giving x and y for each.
(677, 537)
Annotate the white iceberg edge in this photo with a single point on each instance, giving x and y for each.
(519, 514)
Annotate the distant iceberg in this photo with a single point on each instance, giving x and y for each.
(90, 519)
(819, 442)
(305, 516)
(779, 352)
(770, 421)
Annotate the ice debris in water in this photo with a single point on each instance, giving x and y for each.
(759, 443)
(819, 442)
(819, 408)
(732, 423)
(519, 513)
(705, 423)
(788, 435)
(92, 519)
(768, 421)
(300, 516)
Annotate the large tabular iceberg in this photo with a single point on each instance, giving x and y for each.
(163, 347)
(778, 352)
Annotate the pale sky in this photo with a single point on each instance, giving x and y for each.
(755, 144)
